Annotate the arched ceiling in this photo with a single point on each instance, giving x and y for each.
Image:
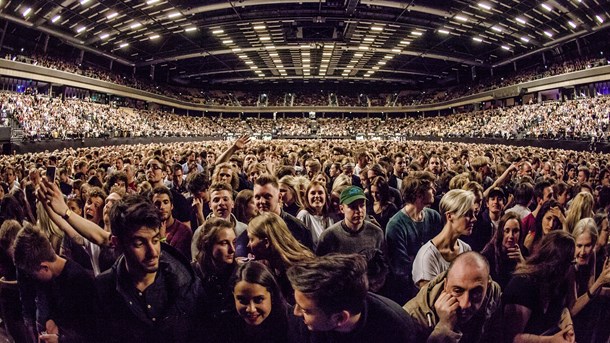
(252, 40)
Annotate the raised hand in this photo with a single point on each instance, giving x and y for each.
(446, 307)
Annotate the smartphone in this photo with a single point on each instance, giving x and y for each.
(51, 173)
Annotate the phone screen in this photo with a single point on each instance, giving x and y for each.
(51, 174)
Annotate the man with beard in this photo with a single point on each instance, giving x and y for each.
(458, 305)
(150, 294)
(173, 231)
(408, 230)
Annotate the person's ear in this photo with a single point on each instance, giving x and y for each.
(115, 241)
(341, 318)
(341, 208)
(449, 216)
(267, 243)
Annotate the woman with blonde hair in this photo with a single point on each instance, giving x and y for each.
(581, 207)
(270, 241)
(290, 195)
(46, 225)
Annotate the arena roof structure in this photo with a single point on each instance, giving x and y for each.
(388, 41)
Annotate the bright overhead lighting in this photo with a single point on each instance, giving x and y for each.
(236, 49)
(306, 60)
(600, 19)
(405, 42)
(477, 39)
(82, 2)
(388, 57)
(363, 47)
(571, 23)
(496, 28)
(270, 47)
(153, 37)
(376, 68)
(327, 53)
(416, 33)
(112, 15)
(266, 38)
(445, 32)
(273, 54)
(81, 29)
(398, 51)
(461, 18)
(189, 29)
(505, 47)
(104, 36)
(525, 39)
(381, 63)
(242, 56)
(150, 2)
(217, 32)
(277, 61)
(173, 15)
(484, 6)
(521, 20)
(55, 18)
(27, 11)
(259, 27)
(377, 28)
(227, 41)
(135, 25)
(358, 54)
(548, 34)
(249, 62)
(253, 67)
(369, 39)
(547, 7)
(123, 45)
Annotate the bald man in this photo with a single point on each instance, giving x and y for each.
(458, 305)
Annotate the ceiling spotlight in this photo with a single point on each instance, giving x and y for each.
(104, 36)
(123, 45)
(150, 2)
(173, 15)
(477, 39)
(55, 18)
(259, 27)
(135, 25)
(572, 24)
(461, 18)
(112, 15)
(496, 28)
(548, 34)
(445, 32)
(546, 7)
(81, 29)
(154, 37)
(484, 6)
(189, 29)
(521, 20)
(505, 47)
(416, 33)
(525, 39)
(599, 19)
(27, 11)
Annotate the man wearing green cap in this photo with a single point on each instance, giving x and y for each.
(354, 234)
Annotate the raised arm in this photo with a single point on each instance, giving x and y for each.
(239, 144)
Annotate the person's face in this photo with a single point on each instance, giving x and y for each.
(526, 170)
(584, 248)
(221, 203)
(428, 195)
(119, 164)
(93, 209)
(582, 177)
(375, 193)
(562, 198)
(547, 222)
(210, 159)
(495, 204)
(177, 177)
(154, 172)
(129, 171)
(511, 234)
(252, 302)
(249, 160)
(258, 246)
(547, 194)
(321, 179)
(163, 203)
(559, 170)
(225, 175)
(571, 173)
(317, 197)
(602, 240)
(399, 166)
(314, 317)
(266, 198)
(10, 177)
(434, 165)
(286, 194)
(223, 251)
(110, 200)
(354, 213)
(142, 250)
(251, 209)
(334, 171)
(349, 171)
(370, 174)
(465, 223)
(468, 286)
(253, 175)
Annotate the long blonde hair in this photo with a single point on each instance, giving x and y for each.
(581, 207)
(283, 244)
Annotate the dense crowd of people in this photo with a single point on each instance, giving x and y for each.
(41, 117)
(274, 98)
(305, 241)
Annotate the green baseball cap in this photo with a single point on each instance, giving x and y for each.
(351, 194)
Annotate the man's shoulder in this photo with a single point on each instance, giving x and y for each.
(384, 313)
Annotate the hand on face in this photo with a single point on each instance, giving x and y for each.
(446, 307)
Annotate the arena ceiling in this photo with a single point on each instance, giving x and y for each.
(330, 40)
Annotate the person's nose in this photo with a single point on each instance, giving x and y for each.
(465, 302)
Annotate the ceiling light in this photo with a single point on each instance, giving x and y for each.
(259, 27)
(416, 33)
(135, 25)
(242, 56)
(217, 32)
(600, 19)
(189, 29)
(55, 18)
(548, 34)
(363, 47)
(445, 32)
(236, 49)
(306, 60)
(154, 37)
(27, 11)
(273, 54)
(381, 63)
(521, 20)
(376, 68)
(112, 15)
(388, 57)
(253, 67)
(477, 39)
(227, 41)
(496, 28)
(82, 2)
(81, 29)
(461, 18)
(571, 23)
(377, 28)
(173, 15)
(505, 47)
(327, 53)
(270, 47)
(150, 2)
(123, 45)
(358, 54)
(484, 6)
(398, 51)
(547, 7)
(265, 38)
(249, 62)
(369, 39)
(104, 36)
(525, 39)
(305, 53)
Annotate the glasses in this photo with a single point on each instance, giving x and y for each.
(153, 166)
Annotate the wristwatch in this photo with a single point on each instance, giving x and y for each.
(66, 215)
